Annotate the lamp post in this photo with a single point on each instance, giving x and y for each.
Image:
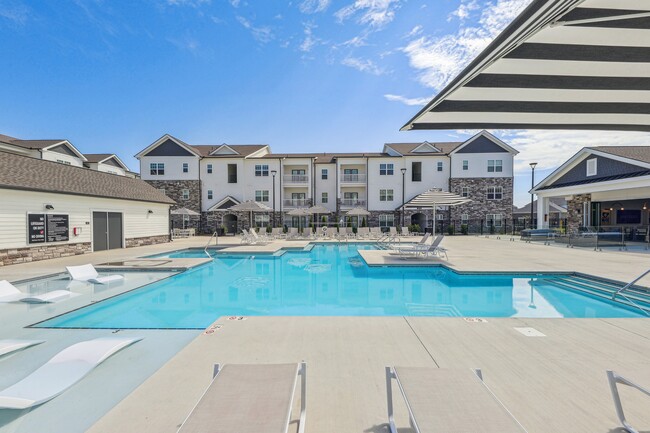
(532, 185)
(403, 193)
(273, 173)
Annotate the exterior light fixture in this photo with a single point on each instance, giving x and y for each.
(49, 207)
(149, 211)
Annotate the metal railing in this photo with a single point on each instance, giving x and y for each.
(296, 202)
(353, 178)
(296, 178)
(620, 293)
(215, 235)
(351, 202)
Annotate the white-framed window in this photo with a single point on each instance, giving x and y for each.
(464, 191)
(464, 218)
(262, 195)
(440, 217)
(439, 165)
(592, 167)
(261, 170)
(186, 167)
(185, 194)
(157, 169)
(209, 168)
(162, 190)
(262, 220)
(385, 195)
(386, 220)
(493, 220)
(494, 192)
(324, 197)
(465, 165)
(386, 169)
(323, 174)
(495, 165)
(209, 194)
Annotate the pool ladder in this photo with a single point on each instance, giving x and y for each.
(620, 291)
(215, 235)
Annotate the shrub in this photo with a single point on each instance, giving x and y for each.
(415, 228)
(451, 230)
(464, 229)
(363, 222)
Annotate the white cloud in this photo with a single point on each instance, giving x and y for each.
(439, 59)
(235, 3)
(363, 65)
(262, 34)
(310, 40)
(375, 13)
(187, 43)
(464, 10)
(18, 13)
(314, 6)
(405, 100)
(357, 41)
(414, 32)
(192, 3)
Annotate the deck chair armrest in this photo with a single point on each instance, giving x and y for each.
(614, 379)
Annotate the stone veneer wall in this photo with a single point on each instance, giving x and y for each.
(173, 190)
(574, 211)
(480, 205)
(14, 256)
(147, 240)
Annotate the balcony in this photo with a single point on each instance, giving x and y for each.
(295, 179)
(296, 202)
(353, 202)
(352, 178)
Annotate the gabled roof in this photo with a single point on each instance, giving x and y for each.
(406, 149)
(231, 150)
(224, 204)
(634, 153)
(33, 174)
(99, 158)
(162, 140)
(556, 204)
(41, 144)
(490, 137)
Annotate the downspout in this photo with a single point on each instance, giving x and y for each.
(201, 199)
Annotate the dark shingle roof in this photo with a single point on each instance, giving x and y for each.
(638, 153)
(35, 144)
(96, 157)
(242, 149)
(22, 172)
(407, 148)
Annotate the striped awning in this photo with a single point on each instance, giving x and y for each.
(561, 64)
(435, 197)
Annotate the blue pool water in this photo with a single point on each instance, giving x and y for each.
(329, 280)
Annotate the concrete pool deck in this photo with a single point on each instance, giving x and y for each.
(549, 383)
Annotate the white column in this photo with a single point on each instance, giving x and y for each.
(542, 212)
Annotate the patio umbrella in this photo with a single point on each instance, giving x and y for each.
(318, 209)
(299, 211)
(187, 213)
(435, 197)
(250, 206)
(357, 211)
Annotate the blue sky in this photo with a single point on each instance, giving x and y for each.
(304, 75)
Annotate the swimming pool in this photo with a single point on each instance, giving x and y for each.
(330, 280)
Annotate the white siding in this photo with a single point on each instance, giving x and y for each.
(431, 177)
(56, 157)
(107, 168)
(217, 181)
(478, 163)
(173, 167)
(377, 182)
(328, 186)
(136, 219)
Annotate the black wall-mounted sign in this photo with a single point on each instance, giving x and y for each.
(58, 228)
(35, 228)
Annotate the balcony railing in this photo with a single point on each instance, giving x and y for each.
(353, 202)
(353, 178)
(296, 202)
(295, 178)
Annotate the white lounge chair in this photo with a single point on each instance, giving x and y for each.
(277, 233)
(423, 250)
(419, 245)
(447, 400)
(375, 232)
(10, 293)
(392, 231)
(615, 379)
(61, 372)
(363, 232)
(249, 399)
(90, 274)
(293, 233)
(257, 239)
(9, 346)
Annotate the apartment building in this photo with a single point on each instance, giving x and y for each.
(211, 179)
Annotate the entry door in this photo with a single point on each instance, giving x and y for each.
(107, 230)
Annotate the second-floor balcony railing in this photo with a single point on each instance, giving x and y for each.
(296, 202)
(295, 178)
(353, 178)
(353, 202)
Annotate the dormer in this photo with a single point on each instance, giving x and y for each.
(426, 147)
(107, 163)
(224, 150)
(168, 146)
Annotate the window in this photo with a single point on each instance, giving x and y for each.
(386, 220)
(494, 193)
(157, 168)
(439, 165)
(592, 167)
(440, 217)
(324, 197)
(493, 220)
(495, 165)
(323, 174)
(385, 195)
(185, 194)
(262, 220)
(464, 191)
(262, 195)
(209, 194)
(386, 169)
(464, 218)
(186, 167)
(262, 170)
(416, 172)
(232, 173)
(465, 165)
(162, 190)
(209, 168)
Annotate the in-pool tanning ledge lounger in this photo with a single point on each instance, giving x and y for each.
(9, 293)
(89, 273)
(9, 346)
